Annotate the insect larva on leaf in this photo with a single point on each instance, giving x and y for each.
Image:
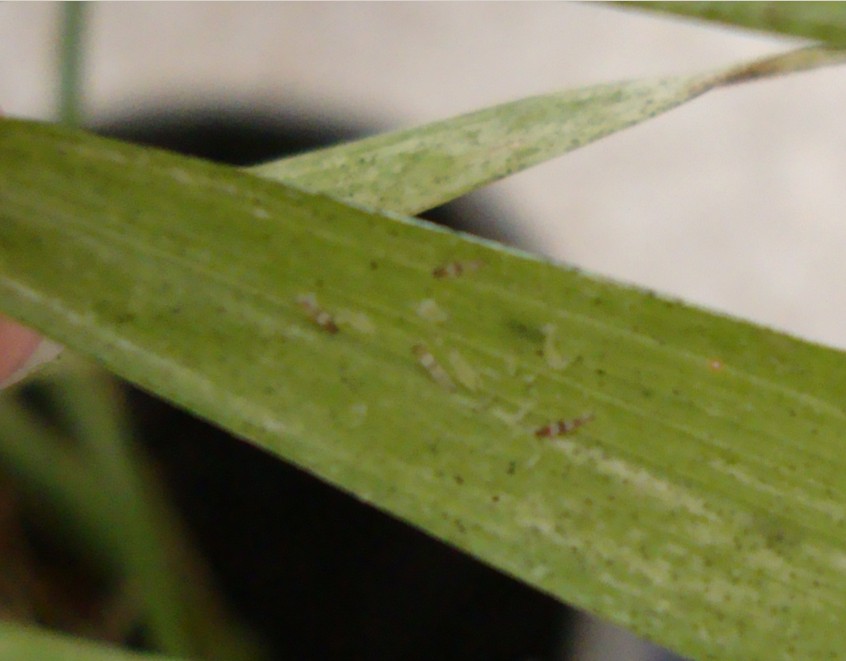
(432, 366)
(456, 269)
(317, 314)
(563, 427)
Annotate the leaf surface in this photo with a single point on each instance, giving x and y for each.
(700, 503)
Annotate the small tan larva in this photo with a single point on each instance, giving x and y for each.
(563, 427)
(456, 269)
(432, 366)
(317, 314)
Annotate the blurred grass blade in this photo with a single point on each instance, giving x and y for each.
(105, 503)
(91, 405)
(417, 169)
(30, 644)
(55, 473)
(184, 614)
(822, 21)
(699, 500)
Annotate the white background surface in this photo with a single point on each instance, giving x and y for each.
(736, 201)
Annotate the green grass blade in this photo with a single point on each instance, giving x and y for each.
(71, 58)
(105, 503)
(703, 506)
(417, 169)
(30, 644)
(822, 21)
(91, 406)
(183, 614)
(54, 473)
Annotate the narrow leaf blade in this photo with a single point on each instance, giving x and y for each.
(822, 21)
(416, 169)
(30, 644)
